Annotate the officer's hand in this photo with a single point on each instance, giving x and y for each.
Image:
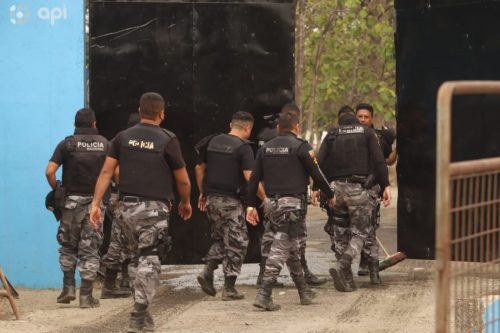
(252, 216)
(387, 196)
(95, 217)
(315, 198)
(332, 201)
(202, 203)
(184, 210)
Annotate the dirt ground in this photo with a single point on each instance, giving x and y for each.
(404, 302)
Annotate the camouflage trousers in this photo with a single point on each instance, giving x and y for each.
(286, 218)
(268, 235)
(144, 224)
(79, 242)
(350, 225)
(118, 251)
(229, 233)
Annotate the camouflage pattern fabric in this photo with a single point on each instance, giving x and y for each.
(79, 242)
(143, 224)
(229, 233)
(352, 219)
(268, 235)
(285, 247)
(118, 252)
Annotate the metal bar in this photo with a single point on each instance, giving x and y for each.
(476, 166)
(443, 173)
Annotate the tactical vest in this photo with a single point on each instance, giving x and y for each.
(144, 171)
(86, 154)
(348, 152)
(284, 173)
(224, 174)
(385, 138)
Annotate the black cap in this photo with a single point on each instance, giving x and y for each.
(50, 204)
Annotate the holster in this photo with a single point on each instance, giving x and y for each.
(164, 246)
(59, 196)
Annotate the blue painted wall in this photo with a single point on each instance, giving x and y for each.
(41, 88)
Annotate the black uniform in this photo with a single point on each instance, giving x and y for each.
(82, 156)
(386, 137)
(147, 155)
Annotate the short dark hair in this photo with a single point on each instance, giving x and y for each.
(151, 104)
(288, 120)
(364, 106)
(84, 118)
(242, 118)
(133, 119)
(290, 107)
(346, 109)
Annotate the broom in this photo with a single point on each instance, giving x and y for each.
(389, 261)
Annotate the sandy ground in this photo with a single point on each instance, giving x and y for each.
(404, 302)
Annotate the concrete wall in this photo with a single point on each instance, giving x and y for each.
(41, 87)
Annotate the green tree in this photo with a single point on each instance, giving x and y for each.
(348, 57)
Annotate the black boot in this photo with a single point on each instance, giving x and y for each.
(86, 298)
(149, 324)
(125, 282)
(262, 269)
(374, 270)
(109, 289)
(311, 279)
(206, 278)
(342, 274)
(137, 318)
(229, 293)
(363, 266)
(305, 293)
(263, 299)
(68, 293)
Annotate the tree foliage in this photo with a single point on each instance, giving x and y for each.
(348, 58)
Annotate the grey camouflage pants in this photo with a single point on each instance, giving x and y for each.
(79, 242)
(229, 233)
(352, 230)
(268, 235)
(118, 251)
(144, 224)
(285, 248)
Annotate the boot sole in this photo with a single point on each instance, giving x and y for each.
(115, 296)
(363, 273)
(339, 281)
(205, 286)
(316, 283)
(260, 306)
(66, 300)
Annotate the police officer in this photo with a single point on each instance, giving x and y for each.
(386, 137)
(284, 165)
(350, 155)
(81, 156)
(265, 135)
(222, 171)
(150, 160)
(118, 255)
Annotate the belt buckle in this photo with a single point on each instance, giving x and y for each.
(131, 199)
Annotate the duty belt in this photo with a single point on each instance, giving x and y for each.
(351, 179)
(136, 199)
(279, 196)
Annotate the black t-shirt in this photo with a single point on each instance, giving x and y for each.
(386, 138)
(172, 152)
